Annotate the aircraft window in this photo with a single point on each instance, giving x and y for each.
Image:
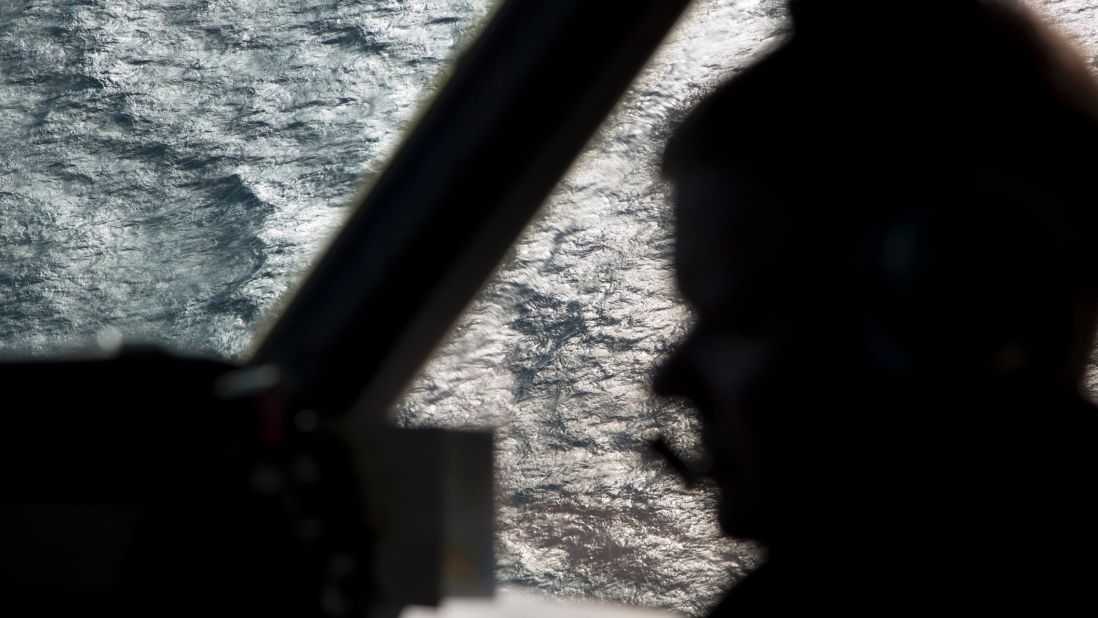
(556, 354)
(169, 169)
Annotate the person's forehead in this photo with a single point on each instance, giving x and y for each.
(732, 199)
(732, 234)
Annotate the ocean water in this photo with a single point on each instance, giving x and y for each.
(170, 168)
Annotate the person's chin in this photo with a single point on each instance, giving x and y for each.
(738, 519)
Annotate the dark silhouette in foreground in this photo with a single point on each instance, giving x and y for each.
(887, 231)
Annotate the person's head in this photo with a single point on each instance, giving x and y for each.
(892, 207)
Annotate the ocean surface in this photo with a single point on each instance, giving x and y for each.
(169, 168)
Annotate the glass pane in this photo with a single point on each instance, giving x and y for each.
(556, 353)
(170, 167)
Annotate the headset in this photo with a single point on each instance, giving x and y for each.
(971, 278)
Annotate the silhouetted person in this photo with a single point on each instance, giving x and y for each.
(887, 230)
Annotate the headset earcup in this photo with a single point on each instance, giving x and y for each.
(969, 280)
